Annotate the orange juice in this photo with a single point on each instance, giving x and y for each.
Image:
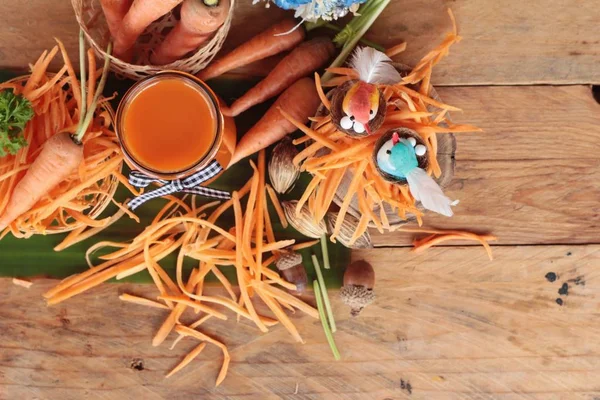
(170, 126)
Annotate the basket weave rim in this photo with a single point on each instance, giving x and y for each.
(208, 49)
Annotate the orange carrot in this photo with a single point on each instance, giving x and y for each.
(302, 61)
(114, 11)
(141, 14)
(265, 44)
(300, 100)
(199, 20)
(58, 159)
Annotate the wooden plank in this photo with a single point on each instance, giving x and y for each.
(449, 322)
(526, 122)
(510, 42)
(521, 179)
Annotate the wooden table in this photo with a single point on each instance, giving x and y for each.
(448, 323)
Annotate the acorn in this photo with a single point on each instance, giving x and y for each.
(290, 265)
(403, 133)
(357, 292)
(337, 113)
(282, 171)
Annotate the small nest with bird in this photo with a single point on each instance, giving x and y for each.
(337, 98)
(403, 133)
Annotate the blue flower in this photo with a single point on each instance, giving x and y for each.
(290, 4)
(312, 10)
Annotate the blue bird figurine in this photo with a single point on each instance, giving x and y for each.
(398, 157)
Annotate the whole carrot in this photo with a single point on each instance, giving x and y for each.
(267, 43)
(141, 14)
(302, 61)
(199, 20)
(114, 11)
(300, 101)
(60, 157)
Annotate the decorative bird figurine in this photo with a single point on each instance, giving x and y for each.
(361, 102)
(398, 157)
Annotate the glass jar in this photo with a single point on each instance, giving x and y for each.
(168, 107)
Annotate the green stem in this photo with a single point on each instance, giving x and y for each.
(328, 334)
(364, 22)
(324, 292)
(99, 89)
(366, 42)
(325, 252)
(309, 26)
(83, 108)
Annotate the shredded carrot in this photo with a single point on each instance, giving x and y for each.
(288, 298)
(277, 205)
(242, 282)
(201, 336)
(443, 236)
(260, 210)
(187, 359)
(195, 305)
(324, 99)
(344, 71)
(142, 301)
(276, 308)
(224, 281)
(274, 276)
(305, 245)
(395, 50)
(22, 282)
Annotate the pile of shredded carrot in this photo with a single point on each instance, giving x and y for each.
(330, 153)
(191, 232)
(56, 101)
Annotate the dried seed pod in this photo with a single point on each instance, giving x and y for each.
(304, 222)
(349, 226)
(292, 269)
(357, 292)
(337, 113)
(282, 171)
(403, 133)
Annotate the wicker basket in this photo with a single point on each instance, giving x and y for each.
(91, 19)
(108, 185)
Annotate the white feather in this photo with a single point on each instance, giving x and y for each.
(428, 192)
(374, 66)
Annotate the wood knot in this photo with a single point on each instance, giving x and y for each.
(137, 364)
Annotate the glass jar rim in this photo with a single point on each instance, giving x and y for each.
(137, 88)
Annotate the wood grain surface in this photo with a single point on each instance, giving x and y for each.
(508, 42)
(532, 176)
(448, 324)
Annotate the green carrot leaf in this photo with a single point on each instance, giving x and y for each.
(15, 112)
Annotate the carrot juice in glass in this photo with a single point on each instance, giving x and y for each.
(170, 126)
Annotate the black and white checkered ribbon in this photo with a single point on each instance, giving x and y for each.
(188, 185)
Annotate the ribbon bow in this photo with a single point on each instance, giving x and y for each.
(187, 185)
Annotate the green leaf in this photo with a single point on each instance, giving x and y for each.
(15, 112)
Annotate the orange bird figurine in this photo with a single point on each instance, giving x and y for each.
(361, 102)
